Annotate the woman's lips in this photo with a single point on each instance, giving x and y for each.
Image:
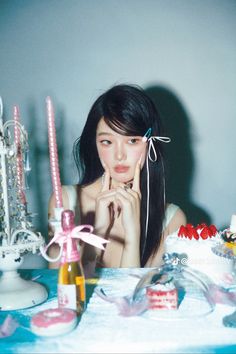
(121, 169)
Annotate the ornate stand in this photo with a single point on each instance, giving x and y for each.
(17, 234)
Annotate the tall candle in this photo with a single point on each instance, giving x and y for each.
(55, 174)
(19, 160)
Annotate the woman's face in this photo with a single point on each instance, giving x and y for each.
(119, 153)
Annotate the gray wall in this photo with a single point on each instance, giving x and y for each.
(182, 51)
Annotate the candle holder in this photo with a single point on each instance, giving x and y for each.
(17, 234)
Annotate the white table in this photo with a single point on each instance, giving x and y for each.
(103, 330)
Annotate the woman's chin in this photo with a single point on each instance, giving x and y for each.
(122, 179)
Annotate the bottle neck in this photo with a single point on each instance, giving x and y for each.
(70, 252)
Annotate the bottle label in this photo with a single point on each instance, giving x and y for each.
(67, 296)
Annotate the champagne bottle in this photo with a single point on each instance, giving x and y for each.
(71, 280)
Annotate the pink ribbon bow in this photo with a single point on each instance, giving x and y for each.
(62, 237)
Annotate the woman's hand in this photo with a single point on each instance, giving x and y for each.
(121, 202)
(104, 208)
(130, 212)
(128, 202)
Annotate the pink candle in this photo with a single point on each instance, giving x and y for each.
(55, 175)
(19, 160)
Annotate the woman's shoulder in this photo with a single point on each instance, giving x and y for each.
(171, 209)
(174, 218)
(71, 200)
(70, 191)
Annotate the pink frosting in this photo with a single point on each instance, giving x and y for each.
(52, 317)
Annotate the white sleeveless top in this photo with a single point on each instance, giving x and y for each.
(72, 196)
(169, 214)
(71, 191)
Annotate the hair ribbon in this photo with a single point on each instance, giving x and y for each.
(151, 147)
(152, 156)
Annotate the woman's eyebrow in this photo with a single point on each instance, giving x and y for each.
(126, 136)
(104, 133)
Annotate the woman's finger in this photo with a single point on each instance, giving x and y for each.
(105, 179)
(128, 202)
(136, 180)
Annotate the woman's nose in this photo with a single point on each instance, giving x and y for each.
(120, 153)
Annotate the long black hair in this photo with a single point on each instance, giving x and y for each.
(129, 111)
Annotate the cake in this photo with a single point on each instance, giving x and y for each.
(194, 246)
(162, 296)
(229, 235)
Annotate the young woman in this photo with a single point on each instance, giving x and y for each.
(122, 184)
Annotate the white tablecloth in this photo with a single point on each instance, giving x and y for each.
(103, 330)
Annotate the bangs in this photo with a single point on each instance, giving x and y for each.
(123, 126)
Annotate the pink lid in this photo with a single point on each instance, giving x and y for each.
(70, 251)
(67, 220)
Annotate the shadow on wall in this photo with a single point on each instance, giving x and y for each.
(178, 154)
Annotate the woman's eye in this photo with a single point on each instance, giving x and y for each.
(105, 142)
(133, 141)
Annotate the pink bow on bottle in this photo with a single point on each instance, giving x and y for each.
(62, 237)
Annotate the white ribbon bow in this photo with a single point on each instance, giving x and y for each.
(151, 147)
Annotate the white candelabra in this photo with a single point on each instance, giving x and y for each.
(17, 234)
